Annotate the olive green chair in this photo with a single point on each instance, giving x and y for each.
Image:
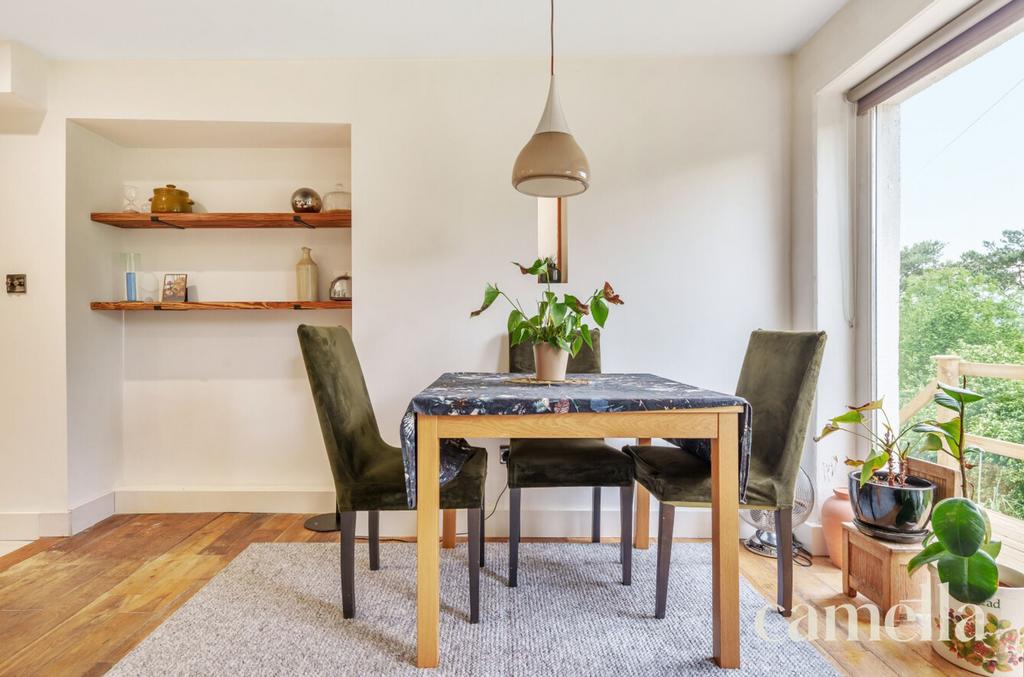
(778, 379)
(368, 472)
(568, 463)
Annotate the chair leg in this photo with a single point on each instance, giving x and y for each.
(347, 524)
(666, 520)
(473, 518)
(483, 538)
(514, 499)
(784, 563)
(595, 519)
(626, 532)
(373, 519)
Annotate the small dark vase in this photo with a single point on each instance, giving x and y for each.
(892, 513)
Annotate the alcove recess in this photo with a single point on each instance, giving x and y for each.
(239, 247)
(210, 398)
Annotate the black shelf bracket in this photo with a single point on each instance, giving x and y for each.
(298, 219)
(157, 219)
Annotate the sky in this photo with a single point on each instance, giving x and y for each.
(962, 153)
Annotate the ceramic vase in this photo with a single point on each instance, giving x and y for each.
(1001, 649)
(834, 511)
(550, 362)
(307, 276)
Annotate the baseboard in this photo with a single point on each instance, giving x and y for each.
(224, 499)
(28, 526)
(547, 522)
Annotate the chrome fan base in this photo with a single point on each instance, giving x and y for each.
(765, 544)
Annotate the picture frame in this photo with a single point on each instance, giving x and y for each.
(175, 288)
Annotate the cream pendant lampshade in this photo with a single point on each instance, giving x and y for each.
(551, 164)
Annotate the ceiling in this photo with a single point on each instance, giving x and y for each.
(326, 29)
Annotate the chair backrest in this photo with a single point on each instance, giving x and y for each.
(587, 361)
(779, 378)
(342, 401)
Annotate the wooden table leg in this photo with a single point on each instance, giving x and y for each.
(725, 569)
(448, 532)
(428, 552)
(642, 531)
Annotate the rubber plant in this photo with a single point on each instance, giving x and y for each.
(890, 449)
(961, 546)
(950, 437)
(960, 542)
(560, 322)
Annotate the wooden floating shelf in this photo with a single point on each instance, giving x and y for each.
(222, 305)
(342, 219)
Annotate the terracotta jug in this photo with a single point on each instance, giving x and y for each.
(834, 511)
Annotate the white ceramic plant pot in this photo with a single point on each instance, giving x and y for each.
(1002, 649)
(550, 362)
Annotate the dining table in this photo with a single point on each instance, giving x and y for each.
(641, 406)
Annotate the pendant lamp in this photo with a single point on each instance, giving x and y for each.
(551, 164)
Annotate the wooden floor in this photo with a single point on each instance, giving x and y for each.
(77, 605)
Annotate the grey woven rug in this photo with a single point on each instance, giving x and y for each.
(276, 610)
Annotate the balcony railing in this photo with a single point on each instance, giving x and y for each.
(949, 370)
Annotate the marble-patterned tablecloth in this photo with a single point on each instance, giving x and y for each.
(472, 393)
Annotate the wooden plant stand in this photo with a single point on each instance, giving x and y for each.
(878, 570)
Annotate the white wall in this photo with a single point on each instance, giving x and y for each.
(688, 216)
(94, 340)
(829, 283)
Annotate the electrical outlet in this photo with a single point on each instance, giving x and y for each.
(16, 283)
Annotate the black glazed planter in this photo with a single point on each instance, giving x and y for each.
(892, 513)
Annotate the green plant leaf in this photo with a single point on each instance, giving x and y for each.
(871, 464)
(993, 548)
(599, 309)
(962, 395)
(931, 553)
(852, 416)
(943, 400)
(538, 267)
(514, 318)
(827, 430)
(577, 343)
(870, 406)
(490, 294)
(971, 579)
(558, 311)
(587, 338)
(932, 442)
(960, 525)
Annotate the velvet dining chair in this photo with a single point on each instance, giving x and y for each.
(534, 463)
(368, 472)
(778, 378)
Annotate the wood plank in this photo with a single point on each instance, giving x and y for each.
(1014, 372)
(26, 551)
(725, 573)
(448, 532)
(677, 423)
(135, 306)
(428, 551)
(918, 401)
(1001, 447)
(340, 219)
(642, 532)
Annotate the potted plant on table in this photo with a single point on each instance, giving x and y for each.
(559, 327)
(888, 501)
(977, 604)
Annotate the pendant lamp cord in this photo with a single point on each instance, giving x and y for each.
(552, 37)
